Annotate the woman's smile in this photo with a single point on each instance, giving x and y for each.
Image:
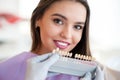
(61, 44)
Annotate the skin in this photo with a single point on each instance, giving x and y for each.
(61, 26)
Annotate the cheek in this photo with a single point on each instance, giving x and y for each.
(48, 31)
(77, 38)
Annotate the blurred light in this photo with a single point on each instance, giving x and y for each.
(26, 7)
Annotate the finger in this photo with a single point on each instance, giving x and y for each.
(87, 76)
(40, 58)
(99, 70)
(99, 64)
(99, 74)
(52, 59)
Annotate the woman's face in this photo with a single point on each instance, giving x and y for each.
(62, 26)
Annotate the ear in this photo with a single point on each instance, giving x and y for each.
(38, 23)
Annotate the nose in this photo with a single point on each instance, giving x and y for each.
(66, 33)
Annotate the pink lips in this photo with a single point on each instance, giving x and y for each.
(61, 44)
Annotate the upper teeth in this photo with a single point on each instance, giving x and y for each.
(63, 44)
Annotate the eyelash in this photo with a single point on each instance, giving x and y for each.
(78, 27)
(58, 21)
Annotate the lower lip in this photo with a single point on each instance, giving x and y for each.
(60, 46)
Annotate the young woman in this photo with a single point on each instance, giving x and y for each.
(62, 24)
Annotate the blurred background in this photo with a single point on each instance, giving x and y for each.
(104, 29)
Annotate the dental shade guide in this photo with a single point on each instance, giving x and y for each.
(77, 66)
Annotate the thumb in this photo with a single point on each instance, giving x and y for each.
(99, 74)
(87, 76)
(52, 59)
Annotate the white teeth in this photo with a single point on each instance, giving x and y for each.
(63, 44)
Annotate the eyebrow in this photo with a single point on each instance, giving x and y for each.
(57, 14)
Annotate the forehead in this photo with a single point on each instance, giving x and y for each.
(68, 8)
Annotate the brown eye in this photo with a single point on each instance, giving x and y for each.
(58, 21)
(78, 27)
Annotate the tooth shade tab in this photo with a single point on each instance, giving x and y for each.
(76, 56)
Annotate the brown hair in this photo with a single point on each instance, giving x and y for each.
(81, 48)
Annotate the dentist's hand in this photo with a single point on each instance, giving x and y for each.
(88, 76)
(99, 74)
(37, 67)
